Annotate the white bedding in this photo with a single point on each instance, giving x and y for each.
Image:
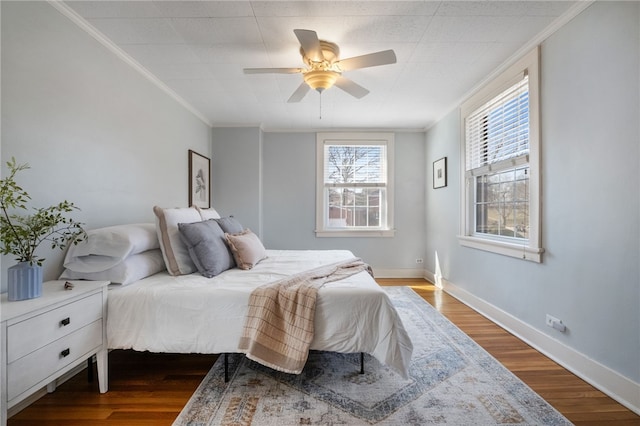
(194, 314)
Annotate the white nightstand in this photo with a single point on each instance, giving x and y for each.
(46, 337)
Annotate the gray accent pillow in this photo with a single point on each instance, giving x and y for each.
(230, 225)
(207, 247)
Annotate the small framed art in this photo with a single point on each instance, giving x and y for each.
(199, 180)
(440, 173)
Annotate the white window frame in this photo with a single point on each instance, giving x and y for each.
(385, 230)
(530, 249)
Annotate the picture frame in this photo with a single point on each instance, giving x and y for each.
(440, 173)
(199, 180)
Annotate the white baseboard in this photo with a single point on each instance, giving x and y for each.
(618, 387)
(399, 273)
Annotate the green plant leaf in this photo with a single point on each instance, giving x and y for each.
(21, 235)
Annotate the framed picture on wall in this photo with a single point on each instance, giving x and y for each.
(440, 173)
(199, 180)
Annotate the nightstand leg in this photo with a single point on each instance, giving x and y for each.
(103, 370)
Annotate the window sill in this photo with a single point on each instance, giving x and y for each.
(355, 234)
(500, 247)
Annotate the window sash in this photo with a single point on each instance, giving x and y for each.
(501, 204)
(364, 170)
(362, 213)
(499, 129)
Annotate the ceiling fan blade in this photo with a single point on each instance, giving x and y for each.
(371, 60)
(351, 88)
(272, 70)
(310, 44)
(299, 93)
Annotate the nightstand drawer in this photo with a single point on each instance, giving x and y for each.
(37, 366)
(27, 336)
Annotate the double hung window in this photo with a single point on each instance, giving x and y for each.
(501, 164)
(355, 192)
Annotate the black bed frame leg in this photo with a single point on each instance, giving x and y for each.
(361, 362)
(226, 367)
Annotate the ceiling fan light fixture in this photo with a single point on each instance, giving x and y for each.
(321, 80)
(324, 66)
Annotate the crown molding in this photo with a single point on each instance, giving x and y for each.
(547, 32)
(65, 10)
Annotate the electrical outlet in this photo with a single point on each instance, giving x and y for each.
(419, 260)
(555, 323)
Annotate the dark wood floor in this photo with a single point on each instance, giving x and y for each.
(151, 389)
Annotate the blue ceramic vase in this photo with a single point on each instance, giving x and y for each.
(24, 281)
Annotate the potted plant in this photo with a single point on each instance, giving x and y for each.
(22, 234)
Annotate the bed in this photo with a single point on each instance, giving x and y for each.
(192, 313)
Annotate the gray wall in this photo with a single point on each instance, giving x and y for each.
(93, 130)
(280, 169)
(237, 170)
(590, 276)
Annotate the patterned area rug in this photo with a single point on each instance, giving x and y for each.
(453, 381)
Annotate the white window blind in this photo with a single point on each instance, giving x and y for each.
(355, 165)
(498, 131)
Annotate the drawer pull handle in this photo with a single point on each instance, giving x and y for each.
(65, 321)
(65, 353)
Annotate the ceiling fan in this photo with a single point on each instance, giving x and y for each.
(324, 66)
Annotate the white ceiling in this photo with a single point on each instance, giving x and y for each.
(199, 48)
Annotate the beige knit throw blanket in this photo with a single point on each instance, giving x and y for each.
(279, 325)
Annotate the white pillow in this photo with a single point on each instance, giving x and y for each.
(175, 252)
(207, 214)
(133, 268)
(106, 247)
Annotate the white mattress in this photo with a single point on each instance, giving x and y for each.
(194, 314)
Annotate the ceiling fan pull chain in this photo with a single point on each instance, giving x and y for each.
(320, 105)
